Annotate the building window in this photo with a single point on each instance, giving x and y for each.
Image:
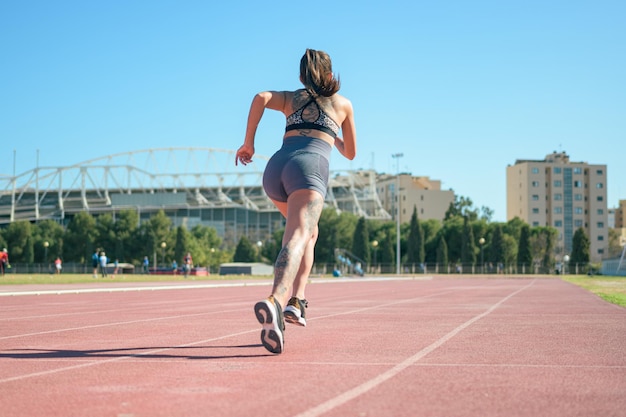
(599, 185)
(558, 210)
(578, 223)
(535, 224)
(578, 197)
(600, 237)
(535, 197)
(600, 212)
(600, 172)
(600, 198)
(600, 225)
(535, 210)
(535, 183)
(558, 197)
(578, 210)
(558, 223)
(578, 171)
(557, 170)
(535, 170)
(557, 183)
(578, 184)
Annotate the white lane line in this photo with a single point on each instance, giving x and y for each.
(118, 323)
(376, 381)
(209, 285)
(117, 359)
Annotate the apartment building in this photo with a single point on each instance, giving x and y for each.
(620, 213)
(563, 194)
(421, 192)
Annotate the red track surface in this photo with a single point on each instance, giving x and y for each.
(442, 347)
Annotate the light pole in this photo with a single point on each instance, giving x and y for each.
(375, 246)
(163, 245)
(481, 242)
(565, 262)
(259, 245)
(45, 254)
(397, 157)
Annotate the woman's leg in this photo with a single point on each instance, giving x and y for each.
(304, 208)
(302, 277)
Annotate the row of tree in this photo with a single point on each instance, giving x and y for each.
(463, 237)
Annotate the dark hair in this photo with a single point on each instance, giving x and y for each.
(316, 72)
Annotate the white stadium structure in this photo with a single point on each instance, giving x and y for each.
(191, 185)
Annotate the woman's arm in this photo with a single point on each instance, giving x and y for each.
(347, 145)
(270, 99)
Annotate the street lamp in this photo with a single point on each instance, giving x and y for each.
(397, 157)
(481, 242)
(163, 245)
(259, 245)
(45, 252)
(565, 262)
(375, 246)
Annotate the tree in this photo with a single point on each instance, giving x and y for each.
(203, 240)
(461, 207)
(51, 232)
(105, 233)
(468, 249)
(80, 238)
(126, 231)
(442, 251)
(548, 257)
(453, 232)
(181, 244)
(335, 231)
(154, 232)
(524, 253)
(580, 248)
(244, 252)
(496, 248)
(18, 236)
(415, 250)
(360, 241)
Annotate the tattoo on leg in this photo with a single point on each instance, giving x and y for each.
(285, 269)
(312, 214)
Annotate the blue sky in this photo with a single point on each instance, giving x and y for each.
(461, 88)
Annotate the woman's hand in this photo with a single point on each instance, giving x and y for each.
(244, 154)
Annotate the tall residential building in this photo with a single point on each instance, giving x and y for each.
(620, 213)
(563, 194)
(421, 192)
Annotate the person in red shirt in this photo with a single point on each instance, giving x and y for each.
(4, 261)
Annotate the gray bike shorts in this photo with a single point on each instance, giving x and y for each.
(302, 163)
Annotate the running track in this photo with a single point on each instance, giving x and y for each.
(376, 347)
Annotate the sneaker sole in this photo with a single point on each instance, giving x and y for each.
(271, 334)
(293, 317)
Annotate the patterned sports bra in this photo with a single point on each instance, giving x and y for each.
(323, 123)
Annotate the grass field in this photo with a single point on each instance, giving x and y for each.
(611, 289)
(26, 279)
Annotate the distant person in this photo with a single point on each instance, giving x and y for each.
(145, 265)
(95, 261)
(174, 267)
(116, 267)
(296, 180)
(187, 264)
(103, 264)
(58, 265)
(4, 261)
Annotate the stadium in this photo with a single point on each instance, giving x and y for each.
(191, 185)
